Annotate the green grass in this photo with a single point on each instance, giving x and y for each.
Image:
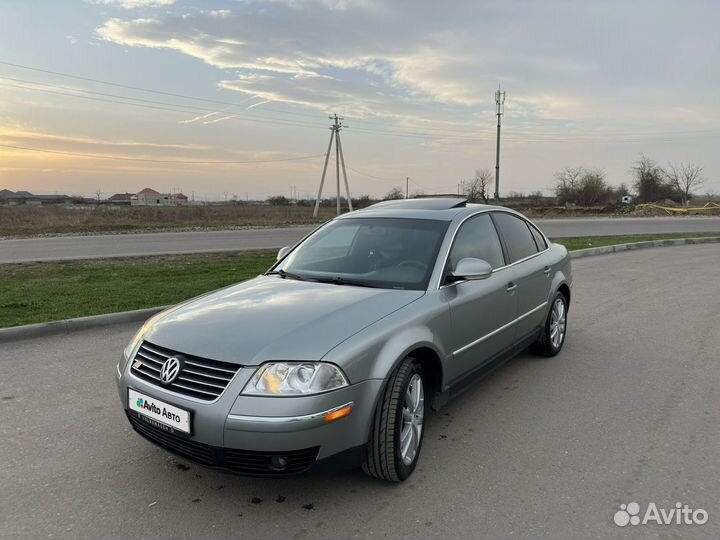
(40, 292)
(584, 242)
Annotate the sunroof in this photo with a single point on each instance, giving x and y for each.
(430, 203)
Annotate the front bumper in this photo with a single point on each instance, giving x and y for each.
(242, 434)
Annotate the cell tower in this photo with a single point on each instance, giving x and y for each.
(500, 102)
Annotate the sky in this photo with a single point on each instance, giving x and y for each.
(232, 98)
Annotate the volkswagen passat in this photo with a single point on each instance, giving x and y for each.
(335, 355)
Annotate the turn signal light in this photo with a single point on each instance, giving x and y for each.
(338, 414)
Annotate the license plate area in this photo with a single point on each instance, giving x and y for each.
(159, 413)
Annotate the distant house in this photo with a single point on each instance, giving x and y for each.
(150, 197)
(121, 198)
(25, 197)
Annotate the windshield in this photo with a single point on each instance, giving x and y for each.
(372, 252)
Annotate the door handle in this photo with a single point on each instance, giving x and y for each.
(547, 271)
(511, 287)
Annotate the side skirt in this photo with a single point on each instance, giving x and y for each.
(466, 381)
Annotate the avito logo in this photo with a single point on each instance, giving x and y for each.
(681, 514)
(147, 405)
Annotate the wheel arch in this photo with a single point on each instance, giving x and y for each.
(565, 289)
(432, 368)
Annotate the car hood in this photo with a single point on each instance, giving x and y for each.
(271, 318)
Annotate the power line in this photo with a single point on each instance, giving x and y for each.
(429, 133)
(153, 91)
(149, 160)
(119, 85)
(372, 175)
(148, 90)
(185, 109)
(171, 107)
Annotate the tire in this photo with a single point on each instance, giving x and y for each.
(548, 344)
(385, 458)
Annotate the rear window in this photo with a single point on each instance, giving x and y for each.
(539, 240)
(516, 233)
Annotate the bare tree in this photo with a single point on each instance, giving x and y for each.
(651, 183)
(685, 178)
(592, 188)
(579, 185)
(567, 183)
(478, 187)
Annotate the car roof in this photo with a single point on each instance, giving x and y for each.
(434, 208)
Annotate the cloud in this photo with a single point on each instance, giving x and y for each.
(417, 59)
(132, 4)
(44, 139)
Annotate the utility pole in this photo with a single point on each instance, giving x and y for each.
(335, 129)
(407, 187)
(500, 102)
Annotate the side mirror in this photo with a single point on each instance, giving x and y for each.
(471, 269)
(282, 252)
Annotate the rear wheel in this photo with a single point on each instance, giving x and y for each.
(397, 429)
(553, 335)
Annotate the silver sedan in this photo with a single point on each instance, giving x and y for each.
(335, 356)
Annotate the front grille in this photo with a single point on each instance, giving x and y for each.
(258, 463)
(192, 450)
(248, 462)
(199, 378)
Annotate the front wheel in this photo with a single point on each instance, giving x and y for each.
(553, 335)
(397, 429)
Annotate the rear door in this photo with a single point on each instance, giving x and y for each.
(482, 311)
(527, 251)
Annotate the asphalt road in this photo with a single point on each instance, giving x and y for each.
(543, 448)
(89, 247)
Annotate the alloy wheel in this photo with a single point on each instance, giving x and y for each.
(558, 321)
(412, 419)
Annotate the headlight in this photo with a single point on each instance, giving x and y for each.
(295, 379)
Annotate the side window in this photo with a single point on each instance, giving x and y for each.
(477, 238)
(517, 236)
(539, 240)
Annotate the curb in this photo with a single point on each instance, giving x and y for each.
(617, 248)
(71, 325)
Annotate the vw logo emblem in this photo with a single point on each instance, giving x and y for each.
(170, 370)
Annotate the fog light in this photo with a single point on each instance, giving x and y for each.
(278, 462)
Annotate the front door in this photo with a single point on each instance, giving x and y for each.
(482, 312)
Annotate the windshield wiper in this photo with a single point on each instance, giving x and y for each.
(284, 274)
(344, 281)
